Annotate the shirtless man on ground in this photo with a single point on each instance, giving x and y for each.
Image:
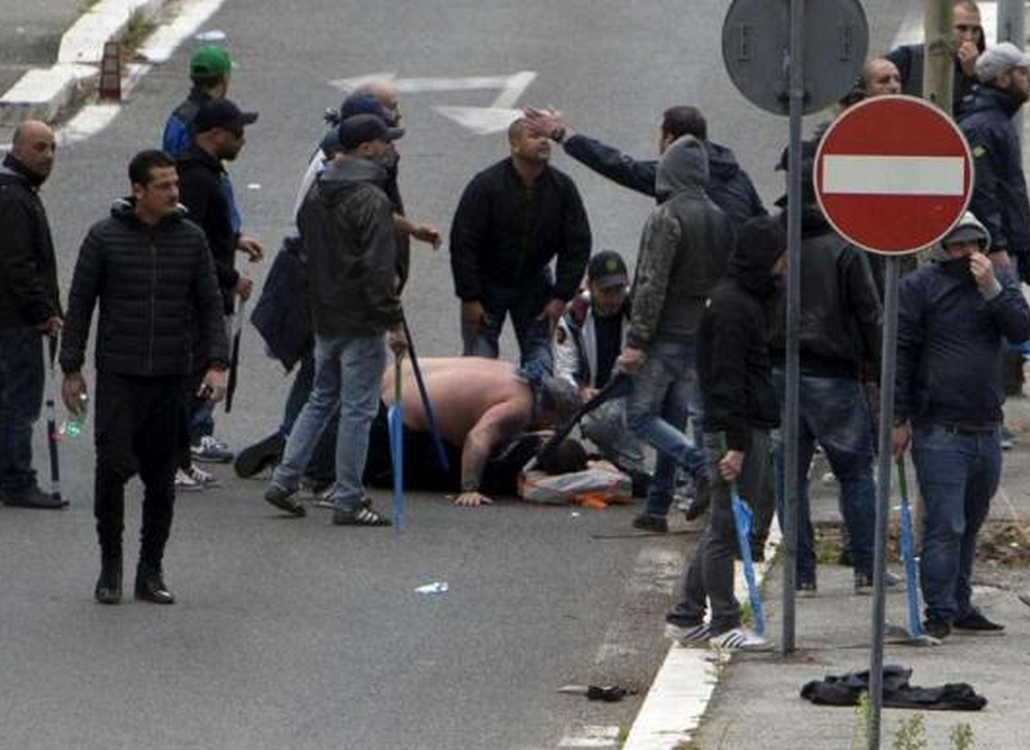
(480, 405)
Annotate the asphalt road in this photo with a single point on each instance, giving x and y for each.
(293, 633)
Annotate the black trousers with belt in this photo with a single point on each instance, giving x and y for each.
(137, 432)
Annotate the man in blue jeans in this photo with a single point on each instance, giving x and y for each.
(954, 318)
(683, 252)
(29, 309)
(346, 224)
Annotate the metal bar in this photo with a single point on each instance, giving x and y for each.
(1012, 28)
(793, 372)
(883, 494)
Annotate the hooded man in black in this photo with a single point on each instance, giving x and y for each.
(740, 408)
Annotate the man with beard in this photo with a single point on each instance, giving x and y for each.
(514, 218)
(29, 309)
(218, 138)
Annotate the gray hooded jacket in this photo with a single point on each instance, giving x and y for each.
(683, 250)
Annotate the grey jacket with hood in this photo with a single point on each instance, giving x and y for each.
(346, 225)
(683, 250)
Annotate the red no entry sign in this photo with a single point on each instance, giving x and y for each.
(893, 174)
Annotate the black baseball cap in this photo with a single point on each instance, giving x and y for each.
(607, 269)
(221, 113)
(358, 129)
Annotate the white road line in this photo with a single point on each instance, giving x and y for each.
(893, 175)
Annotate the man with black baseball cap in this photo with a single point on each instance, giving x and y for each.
(346, 225)
(587, 342)
(218, 138)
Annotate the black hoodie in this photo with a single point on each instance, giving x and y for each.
(732, 357)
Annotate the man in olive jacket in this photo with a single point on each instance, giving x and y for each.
(151, 272)
(346, 225)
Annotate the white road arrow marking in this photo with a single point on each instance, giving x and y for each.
(481, 120)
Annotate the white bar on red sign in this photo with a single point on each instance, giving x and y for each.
(893, 175)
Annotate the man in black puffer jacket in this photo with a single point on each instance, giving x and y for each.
(740, 408)
(153, 276)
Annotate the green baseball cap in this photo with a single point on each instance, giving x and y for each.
(209, 61)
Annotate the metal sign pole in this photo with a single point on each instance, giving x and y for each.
(1012, 28)
(793, 370)
(883, 486)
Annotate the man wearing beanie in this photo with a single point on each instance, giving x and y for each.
(953, 320)
(740, 408)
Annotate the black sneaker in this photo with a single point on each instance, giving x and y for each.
(935, 628)
(256, 458)
(806, 587)
(33, 497)
(363, 515)
(282, 499)
(647, 522)
(109, 584)
(150, 586)
(975, 622)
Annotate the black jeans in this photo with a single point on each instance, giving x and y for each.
(137, 431)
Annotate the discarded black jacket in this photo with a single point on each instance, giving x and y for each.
(729, 186)
(202, 192)
(505, 235)
(28, 270)
(158, 294)
(846, 690)
(282, 315)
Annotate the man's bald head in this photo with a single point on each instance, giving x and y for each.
(879, 77)
(386, 94)
(33, 147)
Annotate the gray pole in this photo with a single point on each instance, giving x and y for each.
(790, 426)
(1012, 28)
(883, 495)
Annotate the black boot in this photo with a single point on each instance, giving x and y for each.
(150, 586)
(109, 584)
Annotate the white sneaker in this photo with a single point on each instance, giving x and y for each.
(688, 635)
(201, 477)
(739, 639)
(185, 483)
(211, 450)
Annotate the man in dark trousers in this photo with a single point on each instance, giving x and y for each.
(218, 138)
(29, 309)
(683, 252)
(513, 219)
(955, 315)
(152, 274)
(346, 225)
(729, 186)
(740, 408)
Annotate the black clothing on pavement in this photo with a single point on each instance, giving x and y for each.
(505, 234)
(729, 186)
(158, 292)
(28, 269)
(847, 690)
(202, 192)
(346, 225)
(999, 189)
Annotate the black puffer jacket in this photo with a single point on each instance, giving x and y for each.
(28, 271)
(346, 225)
(157, 292)
(840, 307)
(732, 356)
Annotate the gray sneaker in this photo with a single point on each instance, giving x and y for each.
(282, 499)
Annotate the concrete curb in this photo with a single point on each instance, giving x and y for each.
(43, 93)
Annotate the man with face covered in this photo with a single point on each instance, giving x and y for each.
(954, 318)
(29, 309)
(967, 42)
(513, 220)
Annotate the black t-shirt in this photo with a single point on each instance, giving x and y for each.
(609, 344)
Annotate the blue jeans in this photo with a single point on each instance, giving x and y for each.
(834, 412)
(320, 466)
(657, 411)
(348, 374)
(958, 474)
(524, 305)
(21, 398)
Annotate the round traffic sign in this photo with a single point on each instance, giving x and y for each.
(893, 174)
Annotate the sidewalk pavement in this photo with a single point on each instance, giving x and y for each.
(52, 51)
(756, 701)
